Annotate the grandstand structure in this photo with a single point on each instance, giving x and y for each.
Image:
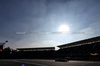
(37, 49)
(36, 53)
(81, 42)
(83, 49)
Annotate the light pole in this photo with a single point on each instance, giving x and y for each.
(5, 42)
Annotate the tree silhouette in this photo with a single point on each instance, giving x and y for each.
(7, 50)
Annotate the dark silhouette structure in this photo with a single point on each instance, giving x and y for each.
(37, 49)
(88, 49)
(34, 53)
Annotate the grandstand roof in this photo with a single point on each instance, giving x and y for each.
(37, 49)
(81, 42)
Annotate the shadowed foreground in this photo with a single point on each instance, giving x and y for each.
(38, 62)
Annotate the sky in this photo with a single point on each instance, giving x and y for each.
(35, 23)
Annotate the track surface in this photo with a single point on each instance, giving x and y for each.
(37, 62)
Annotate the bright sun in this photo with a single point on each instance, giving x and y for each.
(63, 28)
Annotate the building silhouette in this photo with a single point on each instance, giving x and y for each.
(34, 53)
(37, 49)
(83, 49)
(87, 49)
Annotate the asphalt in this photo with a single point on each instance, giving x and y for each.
(16, 64)
(38, 62)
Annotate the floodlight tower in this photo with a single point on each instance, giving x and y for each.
(4, 43)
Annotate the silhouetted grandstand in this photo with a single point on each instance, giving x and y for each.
(83, 49)
(34, 53)
(88, 49)
(37, 49)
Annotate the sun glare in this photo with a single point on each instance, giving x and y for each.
(64, 29)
